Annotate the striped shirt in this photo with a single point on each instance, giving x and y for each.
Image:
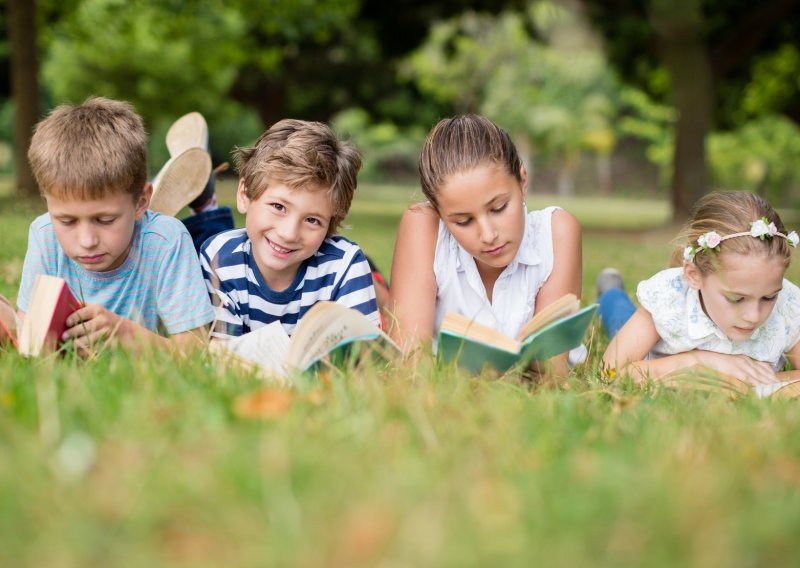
(243, 301)
(159, 285)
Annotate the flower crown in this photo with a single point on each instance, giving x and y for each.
(759, 229)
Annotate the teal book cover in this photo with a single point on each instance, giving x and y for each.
(553, 339)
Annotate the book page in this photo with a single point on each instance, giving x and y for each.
(349, 325)
(782, 389)
(564, 306)
(461, 325)
(266, 346)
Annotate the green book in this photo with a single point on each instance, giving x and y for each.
(473, 345)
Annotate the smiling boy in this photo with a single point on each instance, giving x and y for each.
(135, 271)
(295, 188)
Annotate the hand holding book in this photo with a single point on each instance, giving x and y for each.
(554, 330)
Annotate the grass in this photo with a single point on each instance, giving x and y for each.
(130, 460)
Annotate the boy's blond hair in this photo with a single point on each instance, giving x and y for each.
(302, 155)
(87, 151)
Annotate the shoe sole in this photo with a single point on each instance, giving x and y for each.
(180, 181)
(189, 131)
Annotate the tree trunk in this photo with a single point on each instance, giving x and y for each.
(24, 87)
(679, 25)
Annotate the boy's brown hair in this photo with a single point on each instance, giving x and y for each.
(87, 151)
(302, 155)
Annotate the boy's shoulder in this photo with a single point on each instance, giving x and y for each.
(161, 226)
(226, 243)
(336, 247)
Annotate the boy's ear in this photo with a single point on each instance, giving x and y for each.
(144, 200)
(693, 276)
(242, 201)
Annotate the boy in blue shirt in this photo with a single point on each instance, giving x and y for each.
(295, 188)
(135, 270)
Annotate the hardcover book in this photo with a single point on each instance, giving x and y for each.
(51, 303)
(558, 328)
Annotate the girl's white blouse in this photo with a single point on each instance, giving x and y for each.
(683, 325)
(459, 286)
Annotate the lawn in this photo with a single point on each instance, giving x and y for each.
(143, 460)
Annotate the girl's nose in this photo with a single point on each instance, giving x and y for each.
(488, 231)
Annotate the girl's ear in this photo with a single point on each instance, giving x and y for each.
(693, 275)
(523, 174)
(242, 201)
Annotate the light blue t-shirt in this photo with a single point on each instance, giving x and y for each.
(159, 285)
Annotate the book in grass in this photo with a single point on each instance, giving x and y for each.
(703, 379)
(556, 329)
(46, 320)
(328, 334)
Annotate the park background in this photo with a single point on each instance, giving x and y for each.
(625, 112)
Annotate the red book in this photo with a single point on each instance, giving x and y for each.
(52, 302)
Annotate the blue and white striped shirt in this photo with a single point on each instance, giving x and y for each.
(159, 285)
(243, 301)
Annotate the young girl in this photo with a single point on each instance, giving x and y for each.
(474, 248)
(727, 308)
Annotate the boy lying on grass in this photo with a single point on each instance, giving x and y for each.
(295, 188)
(135, 271)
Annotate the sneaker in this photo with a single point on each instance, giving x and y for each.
(189, 131)
(607, 279)
(180, 181)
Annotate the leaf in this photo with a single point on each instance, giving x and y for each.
(266, 404)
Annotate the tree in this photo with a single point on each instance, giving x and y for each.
(25, 87)
(706, 48)
(553, 92)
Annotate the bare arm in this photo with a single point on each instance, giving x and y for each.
(94, 323)
(566, 275)
(627, 351)
(413, 283)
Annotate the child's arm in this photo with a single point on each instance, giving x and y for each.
(413, 283)
(627, 351)
(94, 323)
(566, 275)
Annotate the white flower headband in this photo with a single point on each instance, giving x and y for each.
(759, 229)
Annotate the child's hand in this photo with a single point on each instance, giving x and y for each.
(93, 323)
(740, 366)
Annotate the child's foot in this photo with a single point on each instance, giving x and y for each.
(607, 279)
(189, 131)
(181, 180)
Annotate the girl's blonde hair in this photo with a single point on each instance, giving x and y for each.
(462, 143)
(726, 213)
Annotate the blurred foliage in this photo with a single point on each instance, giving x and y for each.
(388, 151)
(539, 74)
(761, 156)
(650, 122)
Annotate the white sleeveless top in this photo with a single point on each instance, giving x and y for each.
(459, 286)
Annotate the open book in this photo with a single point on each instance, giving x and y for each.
(51, 303)
(708, 380)
(557, 328)
(329, 333)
